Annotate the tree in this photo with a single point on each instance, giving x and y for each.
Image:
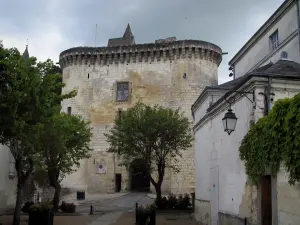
(26, 99)
(274, 141)
(65, 141)
(153, 134)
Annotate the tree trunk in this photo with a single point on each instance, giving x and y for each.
(16, 220)
(158, 191)
(53, 178)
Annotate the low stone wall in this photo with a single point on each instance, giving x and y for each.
(227, 219)
(202, 212)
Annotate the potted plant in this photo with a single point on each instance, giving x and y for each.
(145, 215)
(41, 213)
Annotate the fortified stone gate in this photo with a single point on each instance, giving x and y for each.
(112, 79)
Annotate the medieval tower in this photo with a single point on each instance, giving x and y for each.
(112, 79)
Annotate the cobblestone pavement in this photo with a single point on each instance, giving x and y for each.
(91, 198)
(123, 203)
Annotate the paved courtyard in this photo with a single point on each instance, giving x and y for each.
(116, 210)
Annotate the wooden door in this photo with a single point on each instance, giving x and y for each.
(266, 200)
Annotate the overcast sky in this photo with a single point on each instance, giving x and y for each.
(55, 25)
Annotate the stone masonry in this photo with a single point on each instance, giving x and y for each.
(170, 73)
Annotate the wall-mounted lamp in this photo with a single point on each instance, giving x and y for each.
(229, 121)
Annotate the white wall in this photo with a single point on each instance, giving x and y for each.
(7, 186)
(260, 54)
(214, 147)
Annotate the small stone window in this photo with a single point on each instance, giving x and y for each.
(69, 110)
(122, 93)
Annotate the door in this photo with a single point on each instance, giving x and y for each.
(214, 195)
(118, 181)
(266, 200)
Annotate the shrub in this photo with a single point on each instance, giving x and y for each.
(67, 207)
(41, 207)
(183, 202)
(162, 204)
(26, 206)
(172, 201)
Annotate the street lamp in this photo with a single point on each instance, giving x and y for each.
(229, 121)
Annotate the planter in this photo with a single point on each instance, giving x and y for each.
(40, 218)
(174, 211)
(146, 218)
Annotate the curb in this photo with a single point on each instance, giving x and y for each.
(108, 199)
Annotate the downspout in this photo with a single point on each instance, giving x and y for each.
(298, 20)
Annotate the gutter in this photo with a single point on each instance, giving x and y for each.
(298, 19)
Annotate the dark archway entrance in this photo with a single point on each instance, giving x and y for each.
(139, 179)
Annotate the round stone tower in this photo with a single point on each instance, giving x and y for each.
(112, 79)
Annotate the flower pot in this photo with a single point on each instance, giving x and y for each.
(40, 218)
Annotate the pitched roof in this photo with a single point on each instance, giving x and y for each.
(286, 69)
(127, 39)
(128, 34)
(26, 53)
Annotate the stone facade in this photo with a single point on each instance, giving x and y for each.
(170, 73)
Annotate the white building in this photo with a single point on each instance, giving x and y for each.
(223, 195)
(267, 63)
(278, 34)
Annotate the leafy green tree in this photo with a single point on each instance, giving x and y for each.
(26, 99)
(64, 142)
(274, 141)
(153, 134)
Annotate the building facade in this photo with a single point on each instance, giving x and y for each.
(112, 79)
(278, 36)
(224, 194)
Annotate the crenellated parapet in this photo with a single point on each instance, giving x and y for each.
(163, 51)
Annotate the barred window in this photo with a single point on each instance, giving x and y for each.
(122, 91)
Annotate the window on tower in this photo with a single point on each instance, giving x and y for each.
(122, 91)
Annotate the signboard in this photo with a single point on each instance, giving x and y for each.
(101, 167)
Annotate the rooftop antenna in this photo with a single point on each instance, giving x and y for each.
(95, 35)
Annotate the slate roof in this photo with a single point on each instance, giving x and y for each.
(283, 68)
(26, 53)
(127, 39)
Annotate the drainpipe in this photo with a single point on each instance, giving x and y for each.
(298, 19)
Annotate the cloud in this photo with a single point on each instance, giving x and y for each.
(53, 26)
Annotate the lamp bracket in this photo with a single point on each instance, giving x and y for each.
(243, 93)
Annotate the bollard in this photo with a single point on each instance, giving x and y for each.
(136, 213)
(153, 218)
(91, 210)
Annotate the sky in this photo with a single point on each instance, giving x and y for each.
(55, 25)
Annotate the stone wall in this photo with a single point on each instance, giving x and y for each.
(171, 80)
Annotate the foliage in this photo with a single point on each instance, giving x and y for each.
(273, 140)
(65, 140)
(41, 207)
(291, 147)
(67, 207)
(174, 202)
(26, 206)
(154, 134)
(27, 98)
(145, 209)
